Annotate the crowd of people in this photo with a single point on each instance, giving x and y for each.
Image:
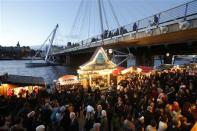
(109, 34)
(160, 102)
(119, 31)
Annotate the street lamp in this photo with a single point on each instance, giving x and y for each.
(167, 54)
(110, 51)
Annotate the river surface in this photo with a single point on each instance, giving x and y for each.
(49, 73)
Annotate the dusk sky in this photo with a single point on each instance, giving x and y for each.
(31, 21)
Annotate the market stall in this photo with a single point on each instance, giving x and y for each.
(117, 74)
(145, 69)
(20, 85)
(191, 69)
(117, 71)
(67, 82)
(97, 72)
(131, 69)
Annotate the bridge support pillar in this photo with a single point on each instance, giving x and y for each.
(67, 60)
(144, 60)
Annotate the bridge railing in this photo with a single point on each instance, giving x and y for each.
(174, 14)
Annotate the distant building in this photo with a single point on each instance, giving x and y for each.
(16, 52)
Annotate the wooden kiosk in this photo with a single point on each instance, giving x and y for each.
(97, 72)
(15, 84)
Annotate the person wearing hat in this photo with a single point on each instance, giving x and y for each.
(89, 118)
(89, 109)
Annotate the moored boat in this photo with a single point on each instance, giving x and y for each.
(40, 64)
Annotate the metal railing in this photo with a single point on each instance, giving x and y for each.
(180, 12)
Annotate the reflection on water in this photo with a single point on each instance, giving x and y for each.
(50, 73)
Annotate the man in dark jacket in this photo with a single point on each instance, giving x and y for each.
(74, 124)
(148, 116)
(65, 122)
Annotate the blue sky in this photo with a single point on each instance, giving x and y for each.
(30, 21)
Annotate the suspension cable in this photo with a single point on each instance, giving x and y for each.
(94, 20)
(100, 15)
(76, 17)
(113, 12)
(84, 17)
(76, 31)
(89, 18)
(104, 12)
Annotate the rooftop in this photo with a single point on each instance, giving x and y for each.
(22, 80)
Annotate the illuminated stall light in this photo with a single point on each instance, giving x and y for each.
(67, 80)
(139, 70)
(100, 72)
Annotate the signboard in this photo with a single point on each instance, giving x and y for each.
(100, 59)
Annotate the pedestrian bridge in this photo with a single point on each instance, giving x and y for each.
(175, 25)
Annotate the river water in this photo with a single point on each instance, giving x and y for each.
(49, 73)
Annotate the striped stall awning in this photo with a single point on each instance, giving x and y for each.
(69, 82)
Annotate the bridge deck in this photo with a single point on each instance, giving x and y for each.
(151, 35)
